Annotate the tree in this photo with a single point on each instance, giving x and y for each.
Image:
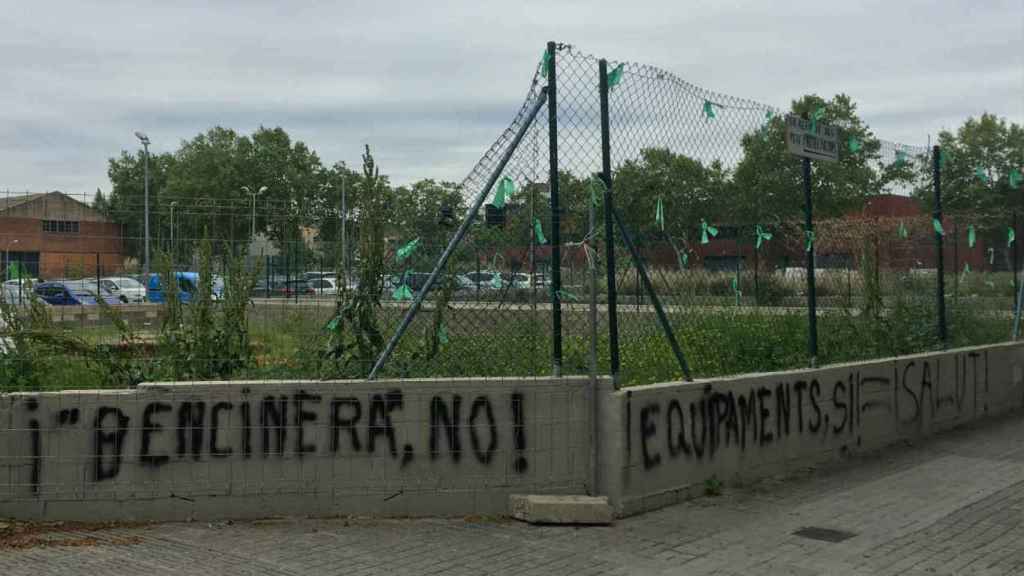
(977, 163)
(126, 204)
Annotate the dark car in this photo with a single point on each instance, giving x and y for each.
(282, 289)
(72, 294)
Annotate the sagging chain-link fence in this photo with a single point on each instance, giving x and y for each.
(703, 183)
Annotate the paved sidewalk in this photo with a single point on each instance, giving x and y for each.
(954, 505)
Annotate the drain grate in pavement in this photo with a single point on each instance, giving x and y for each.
(824, 534)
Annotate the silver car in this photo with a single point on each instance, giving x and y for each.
(127, 290)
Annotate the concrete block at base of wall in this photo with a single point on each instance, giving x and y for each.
(553, 509)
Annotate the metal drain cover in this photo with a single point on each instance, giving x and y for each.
(824, 534)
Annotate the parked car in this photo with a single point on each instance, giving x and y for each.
(188, 286)
(323, 285)
(483, 279)
(72, 293)
(16, 295)
(128, 290)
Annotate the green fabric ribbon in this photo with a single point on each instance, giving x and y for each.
(991, 256)
(659, 215)
(539, 231)
(818, 114)
(545, 64)
(1011, 236)
(506, 188)
(564, 295)
(1015, 179)
(496, 282)
(809, 240)
(332, 326)
(767, 122)
(405, 251)
(442, 334)
(971, 238)
(402, 292)
(902, 230)
(980, 173)
(705, 230)
(942, 159)
(736, 290)
(762, 236)
(615, 76)
(709, 109)
(596, 187)
(853, 144)
(684, 260)
(967, 268)
(901, 158)
(937, 225)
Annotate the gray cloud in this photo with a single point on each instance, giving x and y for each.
(430, 85)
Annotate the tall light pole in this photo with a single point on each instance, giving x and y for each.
(252, 235)
(344, 237)
(173, 204)
(145, 146)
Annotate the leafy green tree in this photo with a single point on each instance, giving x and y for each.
(768, 181)
(977, 163)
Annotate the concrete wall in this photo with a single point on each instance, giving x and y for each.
(660, 443)
(256, 449)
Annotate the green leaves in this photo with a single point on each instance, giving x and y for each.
(817, 115)
(901, 158)
(980, 174)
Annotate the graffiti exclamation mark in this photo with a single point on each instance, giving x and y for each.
(37, 458)
(518, 433)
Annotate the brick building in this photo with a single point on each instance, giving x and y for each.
(52, 235)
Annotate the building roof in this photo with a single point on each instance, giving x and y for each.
(8, 202)
(54, 204)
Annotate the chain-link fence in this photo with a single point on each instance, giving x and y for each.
(703, 183)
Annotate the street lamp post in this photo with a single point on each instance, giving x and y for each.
(173, 204)
(262, 189)
(145, 145)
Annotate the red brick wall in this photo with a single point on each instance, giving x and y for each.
(60, 253)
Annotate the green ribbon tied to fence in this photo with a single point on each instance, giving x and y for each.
(442, 334)
(981, 174)
(853, 144)
(736, 290)
(902, 230)
(901, 158)
(406, 250)
(767, 122)
(564, 295)
(817, 115)
(808, 240)
(506, 188)
(545, 64)
(942, 158)
(762, 236)
(709, 109)
(615, 76)
(1015, 179)
(496, 282)
(706, 230)
(402, 292)
(539, 231)
(972, 238)
(684, 260)
(937, 225)
(659, 214)
(596, 187)
(991, 256)
(1011, 236)
(967, 268)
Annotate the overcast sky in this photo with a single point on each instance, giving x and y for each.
(431, 84)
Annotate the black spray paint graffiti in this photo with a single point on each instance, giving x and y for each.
(281, 426)
(765, 414)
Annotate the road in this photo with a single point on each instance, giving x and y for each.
(953, 505)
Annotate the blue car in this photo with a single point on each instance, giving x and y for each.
(188, 286)
(73, 293)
